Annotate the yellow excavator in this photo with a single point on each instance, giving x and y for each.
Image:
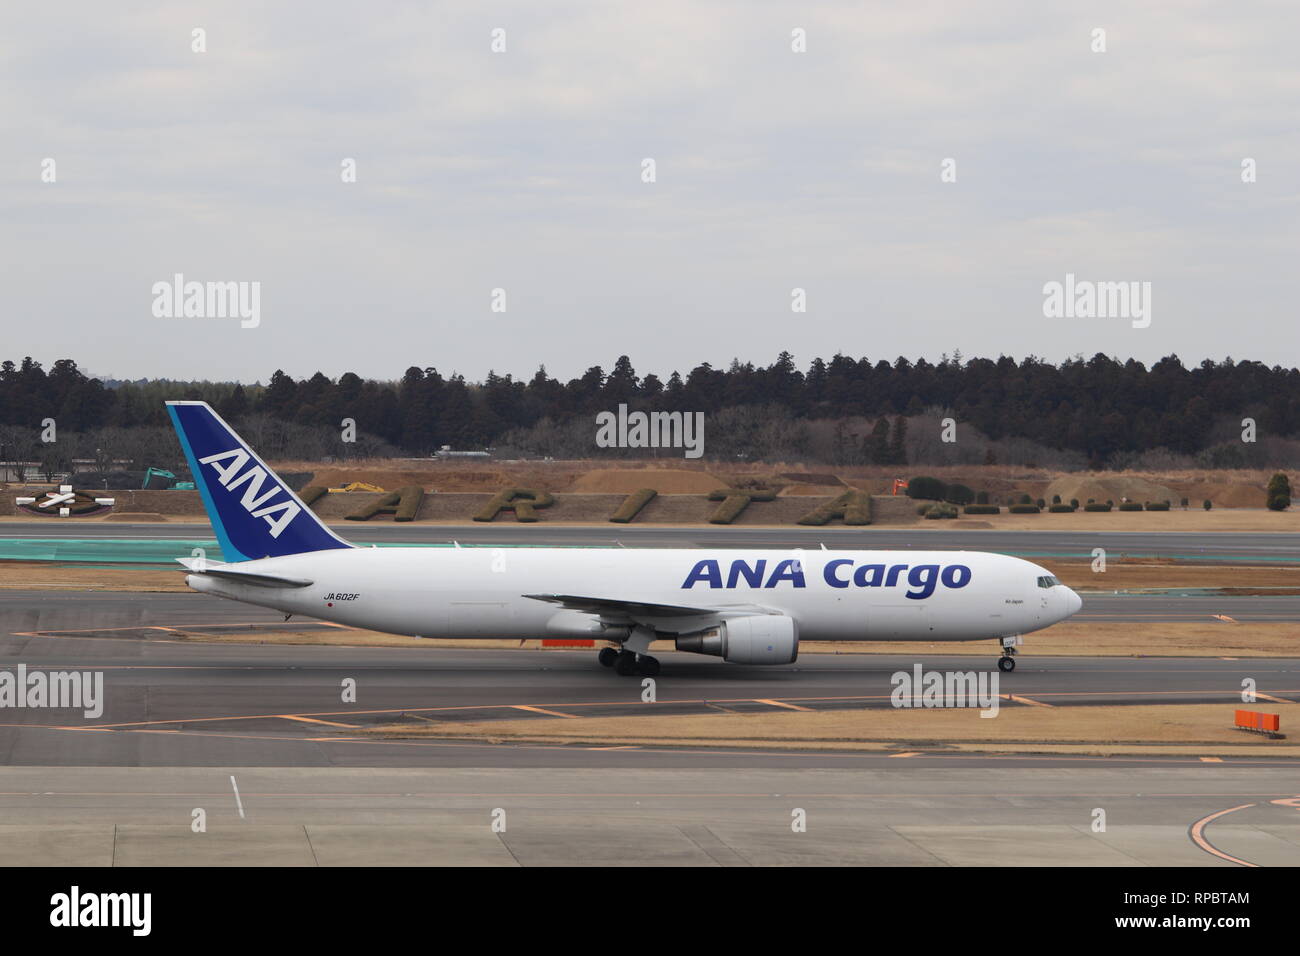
(357, 486)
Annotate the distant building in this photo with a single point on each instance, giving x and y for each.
(10, 471)
(446, 452)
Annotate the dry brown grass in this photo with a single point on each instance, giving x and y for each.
(49, 576)
(666, 481)
(1109, 639)
(1134, 573)
(1192, 520)
(1228, 488)
(1204, 729)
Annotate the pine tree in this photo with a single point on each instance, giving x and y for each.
(879, 451)
(898, 442)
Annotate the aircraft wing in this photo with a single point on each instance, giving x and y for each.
(619, 610)
(232, 572)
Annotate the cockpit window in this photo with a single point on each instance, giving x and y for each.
(1047, 581)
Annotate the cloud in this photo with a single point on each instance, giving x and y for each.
(522, 170)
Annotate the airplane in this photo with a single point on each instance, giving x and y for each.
(745, 606)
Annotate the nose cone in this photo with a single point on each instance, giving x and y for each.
(1072, 602)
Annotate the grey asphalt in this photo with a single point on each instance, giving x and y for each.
(1188, 545)
(186, 724)
(180, 703)
(901, 815)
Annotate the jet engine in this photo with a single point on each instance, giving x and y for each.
(764, 639)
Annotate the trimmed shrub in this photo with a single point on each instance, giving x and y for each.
(632, 505)
(522, 501)
(401, 504)
(1074, 502)
(1041, 504)
(982, 510)
(922, 509)
(734, 501)
(1157, 506)
(1278, 496)
(852, 507)
(312, 494)
(1130, 506)
(1279, 489)
(1060, 509)
(1094, 506)
(959, 495)
(925, 487)
(409, 501)
(1206, 504)
(1056, 499)
(1023, 509)
(941, 511)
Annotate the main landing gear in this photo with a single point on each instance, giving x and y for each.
(1007, 662)
(627, 663)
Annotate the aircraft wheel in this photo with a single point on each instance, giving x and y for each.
(607, 656)
(647, 666)
(1006, 664)
(625, 664)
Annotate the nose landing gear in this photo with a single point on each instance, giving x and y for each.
(1007, 662)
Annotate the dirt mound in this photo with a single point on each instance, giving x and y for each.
(666, 481)
(1222, 494)
(1108, 488)
(812, 478)
(874, 486)
(390, 479)
(797, 489)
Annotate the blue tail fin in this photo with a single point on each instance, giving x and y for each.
(253, 512)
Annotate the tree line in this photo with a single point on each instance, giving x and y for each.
(1095, 409)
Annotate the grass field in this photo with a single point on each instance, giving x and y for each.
(1191, 729)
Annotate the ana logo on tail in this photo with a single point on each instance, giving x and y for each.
(253, 478)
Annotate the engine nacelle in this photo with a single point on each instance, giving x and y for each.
(763, 639)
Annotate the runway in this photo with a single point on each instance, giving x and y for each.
(179, 703)
(257, 737)
(899, 816)
(1192, 546)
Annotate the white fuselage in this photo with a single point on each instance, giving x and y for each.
(832, 595)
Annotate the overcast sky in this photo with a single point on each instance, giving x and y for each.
(522, 170)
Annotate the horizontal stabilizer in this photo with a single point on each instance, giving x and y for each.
(232, 572)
